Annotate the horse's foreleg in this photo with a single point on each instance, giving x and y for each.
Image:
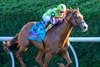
(41, 49)
(67, 57)
(19, 56)
(39, 57)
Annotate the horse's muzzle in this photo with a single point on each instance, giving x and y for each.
(83, 26)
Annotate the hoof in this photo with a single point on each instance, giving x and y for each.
(68, 65)
(60, 65)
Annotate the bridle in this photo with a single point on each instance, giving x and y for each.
(72, 18)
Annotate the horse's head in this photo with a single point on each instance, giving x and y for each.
(75, 18)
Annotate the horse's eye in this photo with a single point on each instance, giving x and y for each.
(76, 16)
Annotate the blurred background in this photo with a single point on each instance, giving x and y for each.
(16, 13)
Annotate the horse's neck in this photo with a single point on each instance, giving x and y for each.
(61, 32)
(65, 35)
(65, 31)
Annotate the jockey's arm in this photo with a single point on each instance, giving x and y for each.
(54, 17)
(55, 20)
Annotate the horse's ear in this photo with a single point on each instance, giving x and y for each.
(77, 7)
(71, 8)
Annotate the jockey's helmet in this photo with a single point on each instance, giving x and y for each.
(61, 7)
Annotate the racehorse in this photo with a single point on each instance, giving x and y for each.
(56, 40)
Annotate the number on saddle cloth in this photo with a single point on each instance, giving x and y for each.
(38, 31)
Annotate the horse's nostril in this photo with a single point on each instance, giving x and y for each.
(84, 27)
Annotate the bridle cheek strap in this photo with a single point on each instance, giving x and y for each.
(69, 17)
(73, 21)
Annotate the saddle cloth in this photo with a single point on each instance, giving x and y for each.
(38, 31)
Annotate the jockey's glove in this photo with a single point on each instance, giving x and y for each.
(52, 14)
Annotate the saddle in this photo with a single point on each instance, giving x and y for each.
(38, 31)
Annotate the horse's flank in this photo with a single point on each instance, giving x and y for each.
(24, 33)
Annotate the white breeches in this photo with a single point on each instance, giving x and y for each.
(46, 18)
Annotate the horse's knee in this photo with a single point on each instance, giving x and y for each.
(38, 59)
(39, 55)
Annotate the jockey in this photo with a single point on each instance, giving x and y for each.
(54, 15)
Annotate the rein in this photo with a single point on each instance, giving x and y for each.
(70, 26)
(69, 17)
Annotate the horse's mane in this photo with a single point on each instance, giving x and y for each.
(70, 10)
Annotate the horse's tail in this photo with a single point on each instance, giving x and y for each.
(11, 45)
(14, 43)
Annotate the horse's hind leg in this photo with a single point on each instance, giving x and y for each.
(19, 56)
(67, 57)
(41, 50)
(23, 45)
(39, 57)
(48, 56)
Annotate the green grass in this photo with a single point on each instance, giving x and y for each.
(15, 13)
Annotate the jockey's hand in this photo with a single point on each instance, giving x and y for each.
(52, 14)
(59, 19)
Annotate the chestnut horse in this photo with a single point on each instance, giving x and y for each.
(56, 39)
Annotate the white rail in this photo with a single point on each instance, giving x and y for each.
(72, 39)
(12, 59)
(5, 38)
(84, 39)
(75, 55)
